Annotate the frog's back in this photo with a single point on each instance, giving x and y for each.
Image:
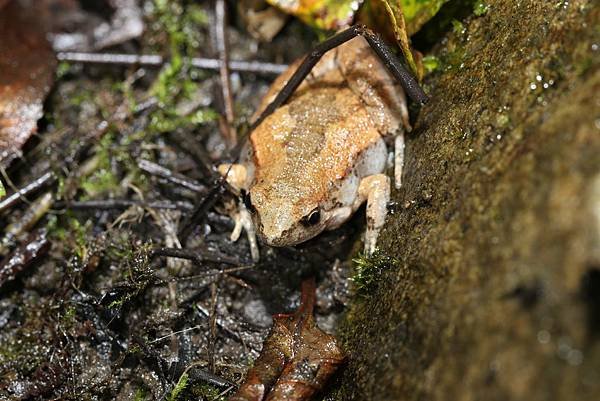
(343, 108)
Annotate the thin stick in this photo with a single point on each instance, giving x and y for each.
(196, 257)
(21, 194)
(212, 339)
(107, 204)
(154, 60)
(175, 178)
(223, 50)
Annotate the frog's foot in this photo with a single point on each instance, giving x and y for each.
(398, 159)
(236, 175)
(243, 220)
(376, 190)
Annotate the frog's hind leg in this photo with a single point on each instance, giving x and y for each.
(375, 189)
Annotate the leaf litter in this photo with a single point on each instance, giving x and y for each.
(89, 273)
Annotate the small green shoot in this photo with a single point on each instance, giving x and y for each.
(480, 8)
(457, 27)
(179, 387)
(431, 63)
(368, 269)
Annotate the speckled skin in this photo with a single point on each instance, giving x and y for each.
(315, 151)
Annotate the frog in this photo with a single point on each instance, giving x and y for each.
(315, 160)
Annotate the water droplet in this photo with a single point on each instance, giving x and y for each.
(543, 337)
(538, 78)
(533, 87)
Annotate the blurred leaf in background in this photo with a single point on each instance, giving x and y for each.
(321, 14)
(338, 14)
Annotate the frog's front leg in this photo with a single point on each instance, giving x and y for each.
(237, 176)
(375, 189)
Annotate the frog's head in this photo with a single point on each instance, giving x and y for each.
(282, 218)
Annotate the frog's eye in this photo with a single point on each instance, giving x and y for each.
(312, 218)
(247, 201)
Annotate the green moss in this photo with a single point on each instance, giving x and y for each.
(368, 270)
(178, 81)
(207, 392)
(480, 8)
(77, 237)
(166, 120)
(81, 96)
(140, 394)
(102, 180)
(179, 387)
(431, 63)
(458, 27)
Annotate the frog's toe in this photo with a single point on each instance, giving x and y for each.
(370, 242)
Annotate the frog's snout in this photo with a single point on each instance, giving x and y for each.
(282, 233)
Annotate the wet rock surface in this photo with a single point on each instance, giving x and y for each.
(490, 289)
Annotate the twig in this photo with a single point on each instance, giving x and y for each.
(214, 273)
(31, 216)
(212, 338)
(202, 209)
(195, 373)
(176, 178)
(21, 194)
(107, 204)
(223, 50)
(151, 60)
(196, 257)
(218, 322)
(187, 144)
(36, 245)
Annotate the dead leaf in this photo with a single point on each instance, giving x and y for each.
(262, 21)
(27, 66)
(297, 357)
(396, 16)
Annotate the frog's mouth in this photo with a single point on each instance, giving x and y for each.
(289, 237)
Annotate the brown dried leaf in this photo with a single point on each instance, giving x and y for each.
(297, 357)
(27, 66)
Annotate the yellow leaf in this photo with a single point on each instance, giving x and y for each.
(394, 11)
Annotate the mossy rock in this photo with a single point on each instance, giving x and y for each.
(494, 289)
